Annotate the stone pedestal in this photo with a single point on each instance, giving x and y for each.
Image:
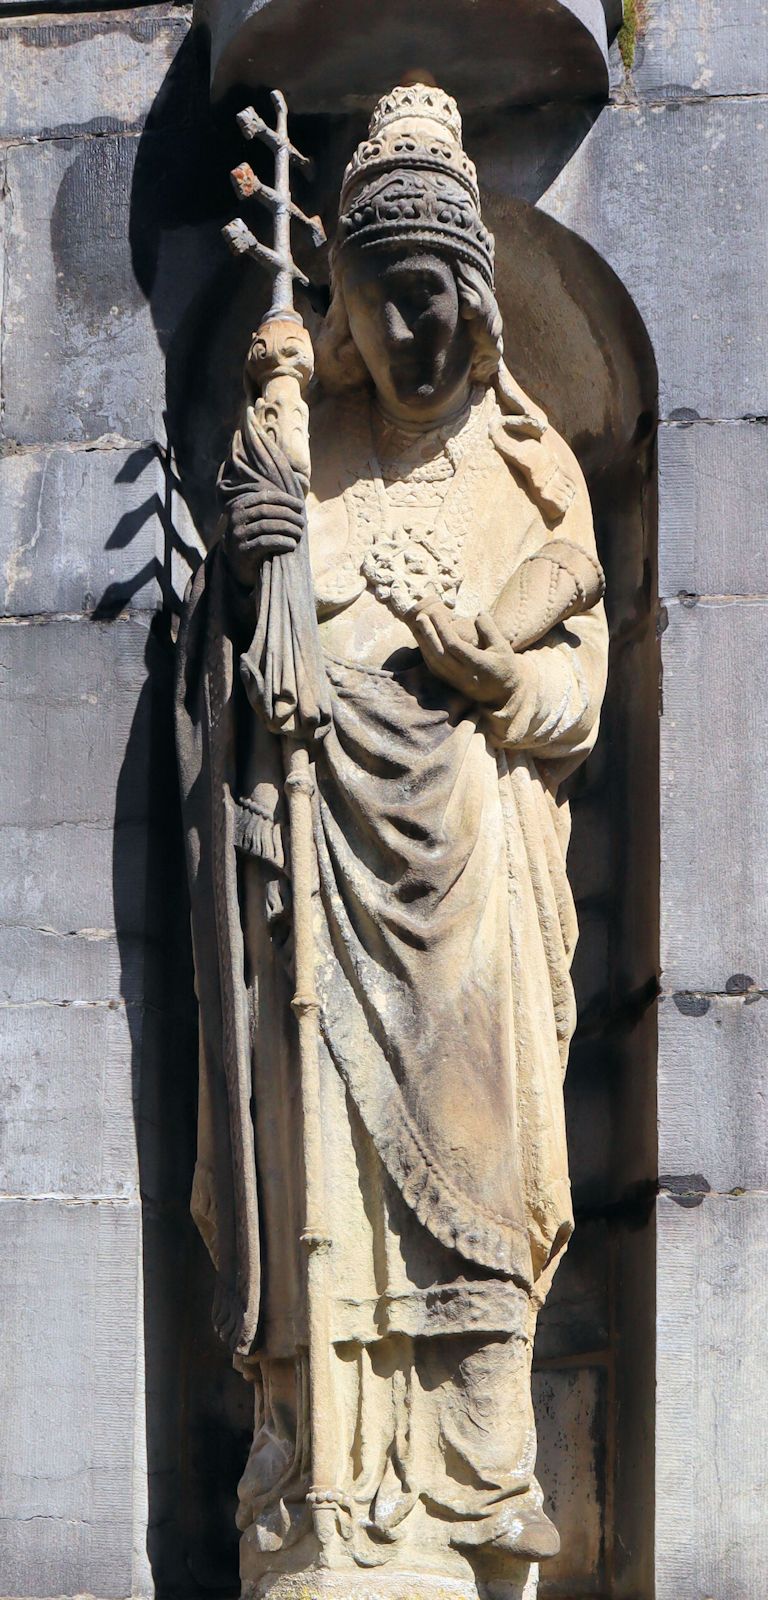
(390, 1586)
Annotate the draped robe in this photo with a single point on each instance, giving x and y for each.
(444, 917)
(444, 926)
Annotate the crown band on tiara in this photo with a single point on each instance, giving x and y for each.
(441, 239)
(408, 158)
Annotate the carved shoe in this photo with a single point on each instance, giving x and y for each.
(522, 1529)
(531, 1536)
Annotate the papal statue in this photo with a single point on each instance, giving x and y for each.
(462, 649)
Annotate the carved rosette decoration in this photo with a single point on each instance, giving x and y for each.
(383, 938)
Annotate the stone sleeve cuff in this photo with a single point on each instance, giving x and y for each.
(549, 709)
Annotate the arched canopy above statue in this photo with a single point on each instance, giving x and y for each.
(339, 55)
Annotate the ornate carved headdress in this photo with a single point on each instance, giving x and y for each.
(410, 182)
(410, 179)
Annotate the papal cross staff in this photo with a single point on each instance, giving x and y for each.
(285, 677)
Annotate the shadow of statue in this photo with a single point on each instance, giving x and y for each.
(197, 1416)
(197, 1411)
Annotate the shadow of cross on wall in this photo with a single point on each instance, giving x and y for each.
(178, 558)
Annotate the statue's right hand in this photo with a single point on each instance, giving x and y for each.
(262, 522)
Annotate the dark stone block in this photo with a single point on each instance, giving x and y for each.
(712, 1308)
(61, 877)
(84, 353)
(713, 1085)
(66, 1102)
(96, 74)
(713, 759)
(72, 703)
(713, 508)
(695, 50)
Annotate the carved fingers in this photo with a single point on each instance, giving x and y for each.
(490, 634)
(263, 522)
(483, 666)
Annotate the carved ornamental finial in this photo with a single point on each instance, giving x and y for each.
(417, 100)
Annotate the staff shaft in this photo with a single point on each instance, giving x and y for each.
(280, 365)
(305, 1004)
(282, 298)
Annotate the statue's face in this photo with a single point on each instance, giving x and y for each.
(406, 320)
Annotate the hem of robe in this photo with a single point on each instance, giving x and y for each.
(494, 1308)
(498, 1243)
(495, 1239)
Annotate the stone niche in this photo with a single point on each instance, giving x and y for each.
(339, 57)
(531, 78)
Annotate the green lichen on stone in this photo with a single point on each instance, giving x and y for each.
(630, 30)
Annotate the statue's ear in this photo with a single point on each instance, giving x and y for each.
(480, 308)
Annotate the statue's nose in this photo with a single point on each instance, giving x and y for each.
(397, 327)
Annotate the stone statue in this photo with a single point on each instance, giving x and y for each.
(463, 648)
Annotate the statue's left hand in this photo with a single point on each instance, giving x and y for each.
(483, 667)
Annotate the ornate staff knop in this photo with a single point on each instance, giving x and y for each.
(285, 680)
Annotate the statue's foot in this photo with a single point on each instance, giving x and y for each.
(522, 1530)
(530, 1536)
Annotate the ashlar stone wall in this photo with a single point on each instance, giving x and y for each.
(96, 1011)
(123, 1428)
(669, 187)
